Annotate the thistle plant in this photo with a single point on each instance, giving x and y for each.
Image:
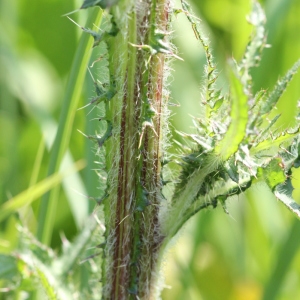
(236, 144)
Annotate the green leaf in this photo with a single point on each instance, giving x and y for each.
(283, 192)
(213, 96)
(278, 90)
(8, 267)
(272, 145)
(184, 197)
(273, 173)
(48, 288)
(265, 133)
(221, 191)
(239, 117)
(255, 46)
(71, 254)
(232, 169)
(35, 259)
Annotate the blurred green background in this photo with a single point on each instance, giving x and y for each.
(251, 253)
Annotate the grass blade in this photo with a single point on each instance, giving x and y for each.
(33, 192)
(284, 258)
(61, 142)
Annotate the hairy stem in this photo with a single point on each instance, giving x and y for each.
(133, 236)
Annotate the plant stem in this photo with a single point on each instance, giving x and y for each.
(134, 152)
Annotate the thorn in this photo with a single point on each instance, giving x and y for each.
(139, 46)
(80, 108)
(145, 124)
(91, 74)
(99, 222)
(89, 257)
(71, 12)
(100, 245)
(98, 59)
(81, 27)
(83, 133)
(285, 150)
(176, 56)
(124, 219)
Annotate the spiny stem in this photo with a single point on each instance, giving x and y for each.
(133, 152)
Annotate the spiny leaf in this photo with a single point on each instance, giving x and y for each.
(273, 142)
(278, 90)
(283, 192)
(255, 46)
(70, 256)
(222, 189)
(98, 37)
(53, 287)
(273, 174)
(239, 118)
(265, 133)
(232, 169)
(245, 149)
(213, 96)
(48, 288)
(185, 193)
(53, 271)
